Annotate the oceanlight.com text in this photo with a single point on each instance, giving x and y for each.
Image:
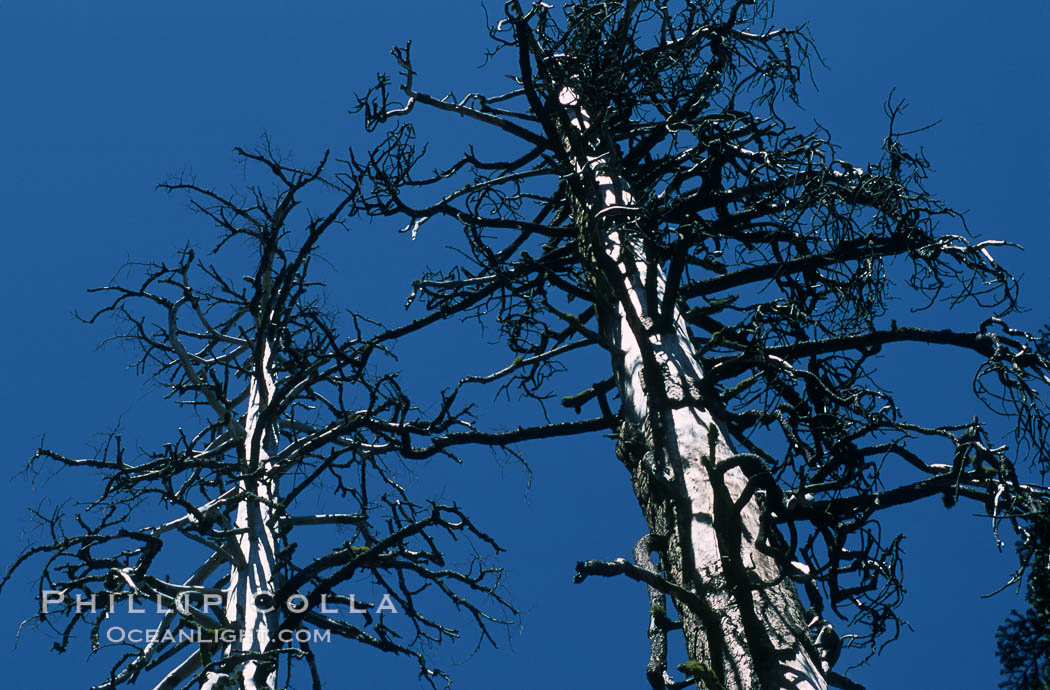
(119, 634)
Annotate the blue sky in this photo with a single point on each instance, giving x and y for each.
(103, 100)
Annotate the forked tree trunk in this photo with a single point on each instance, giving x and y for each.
(747, 623)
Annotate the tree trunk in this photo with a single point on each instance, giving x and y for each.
(252, 574)
(749, 629)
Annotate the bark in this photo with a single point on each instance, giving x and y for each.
(748, 626)
(252, 573)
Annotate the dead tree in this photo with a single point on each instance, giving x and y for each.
(638, 190)
(218, 525)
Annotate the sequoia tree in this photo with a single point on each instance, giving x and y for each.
(640, 191)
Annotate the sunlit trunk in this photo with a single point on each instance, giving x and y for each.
(254, 621)
(750, 629)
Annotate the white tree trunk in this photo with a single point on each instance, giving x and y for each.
(754, 637)
(256, 542)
